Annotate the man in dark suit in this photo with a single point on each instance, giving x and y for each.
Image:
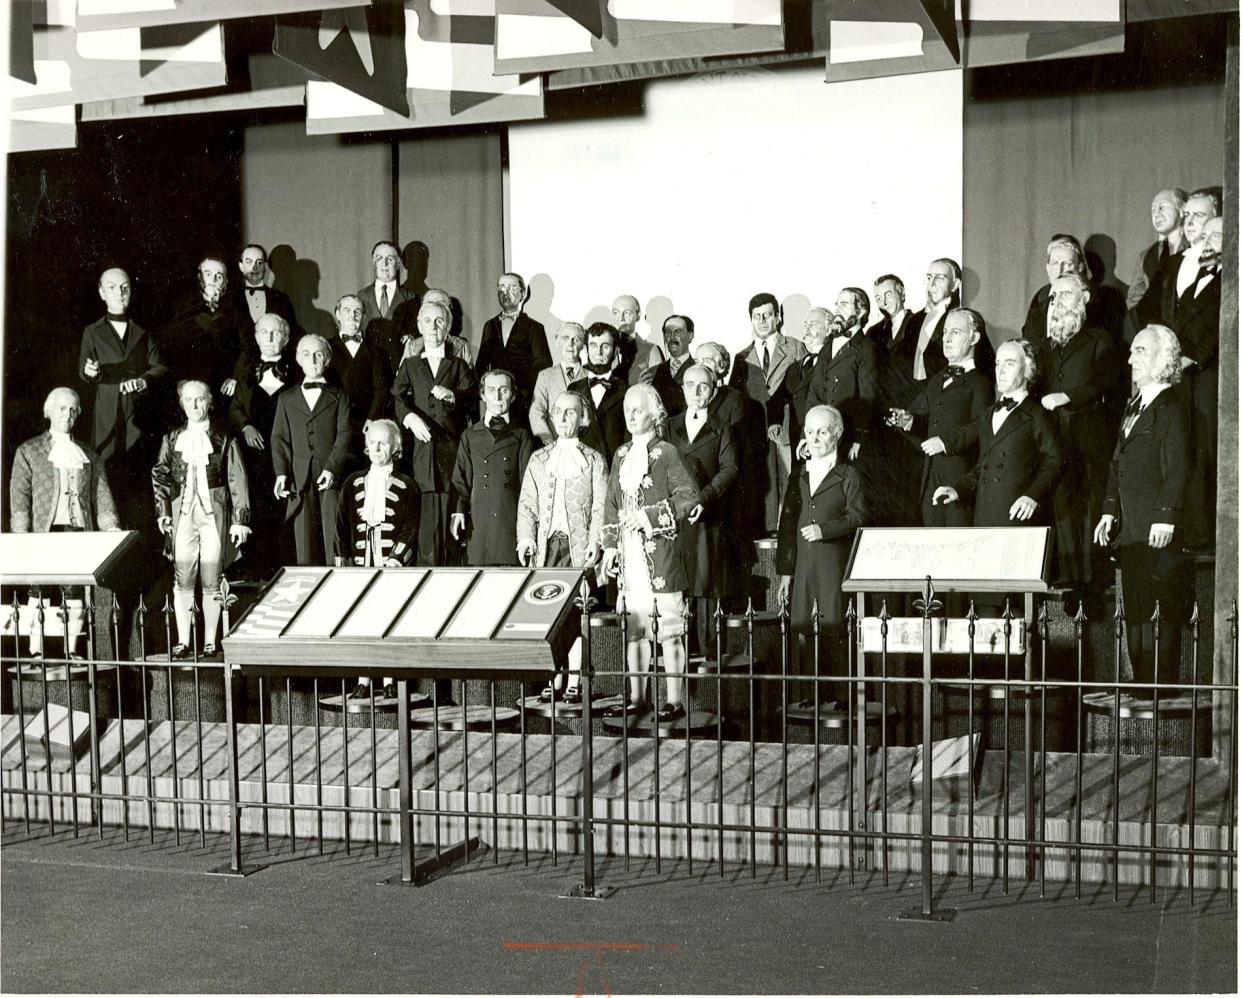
(310, 439)
(204, 341)
(604, 391)
(891, 500)
(637, 359)
(512, 341)
(363, 371)
(1180, 270)
(666, 377)
(122, 362)
(1146, 493)
(944, 419)
(728, 405)
(709, 452)
(792, 393)
(1019, 454)
(1166, 218)
(942, 287)
(434, 395)
(844, 377)
(405, 317)
(381, 298)
(1105, 310)
(1080, 371)
(253, 299)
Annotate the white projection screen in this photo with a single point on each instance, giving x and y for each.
(736, 182)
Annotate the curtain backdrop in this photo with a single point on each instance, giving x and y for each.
(451, 220)
(318, 203)
(1085, 162)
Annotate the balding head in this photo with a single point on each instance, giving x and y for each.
(115, 290)
(625, 313)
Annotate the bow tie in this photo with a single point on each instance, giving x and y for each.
(954, 371)
(496, 423)
(352, 337)
(254, 291)
(1006, 404)
(593, 381)
(268, 365)
(308, 385)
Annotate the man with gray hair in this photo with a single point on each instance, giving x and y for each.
(552, 381)
(636, 358)
(512, 341)
(406, 320)
(1166, 218)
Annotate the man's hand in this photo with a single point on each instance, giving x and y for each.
(443, 394)
(281, 490)
(526, 552)
(592, 555)
(611, 565)
(933, 446)
(1104, 528)
(253, 438)
(774, 432)
(165, 524)
(944, 495)
(416, 425)
(854, 449)
(782, 591)
(900, 418)
(240, 533)
(91, 368)
(694, 514)
(229, 387)
(457, 524)
(392, 563)
(812, 532)
(1023, 508)
(803, 451)
(325, 480)
(1160, 536)
(1054, 401)
(133, 385)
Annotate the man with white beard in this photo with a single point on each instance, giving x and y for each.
(1080, 371)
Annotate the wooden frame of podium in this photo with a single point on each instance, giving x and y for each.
(955, 560)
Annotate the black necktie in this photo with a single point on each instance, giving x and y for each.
(1164, 250)
(953, 371)
(352, 337)
(268, 365)
(1135, 405)
(593, 381)
(1006, 404)
(308, 385)
(763, 357)
(496, 423)
(253, 291)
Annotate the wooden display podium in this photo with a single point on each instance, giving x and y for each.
(932, 560)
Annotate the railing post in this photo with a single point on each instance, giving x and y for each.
(233, 868)
(927, 605)
(588, 888)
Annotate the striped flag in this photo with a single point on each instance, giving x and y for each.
(537, 36)
(450, 81)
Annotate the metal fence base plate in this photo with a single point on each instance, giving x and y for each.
(225, 870)
(579, 891)
(918, 915)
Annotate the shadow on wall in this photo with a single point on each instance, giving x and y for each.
(540, 292)
(299, 279)
(793, 314)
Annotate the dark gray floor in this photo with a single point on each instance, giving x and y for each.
(81, 915)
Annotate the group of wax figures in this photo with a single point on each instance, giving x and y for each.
(389, 443)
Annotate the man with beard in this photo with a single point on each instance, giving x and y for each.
(1180, 270)
(512, 341)
(121, 360)
(405, 317)
(1080, 370)
(362, 370)
(667, 376)
(204, 340)
(636, 358)
(1167, 208)
(555, 380)
(603, 389)
(845, 376)
(253, 299)
(1104, 311)
(381, 298)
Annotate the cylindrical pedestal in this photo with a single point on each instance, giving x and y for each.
(188, 703)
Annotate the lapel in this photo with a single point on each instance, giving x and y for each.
(1145, 418)
(1015, 419)
(708, 439)
(1062, 354)
(830, 479)
(1189, 304)
(843, 355)
(777, 356)
(122, 345)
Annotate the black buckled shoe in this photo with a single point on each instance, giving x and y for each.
(670, 712)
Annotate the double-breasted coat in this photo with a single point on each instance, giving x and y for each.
(487, 480)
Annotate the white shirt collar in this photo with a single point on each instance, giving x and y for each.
(1148, 392)
(967, 363)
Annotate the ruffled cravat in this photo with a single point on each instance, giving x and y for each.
(65, 453)
(636, 463)
(566, 460)
(375, 494)
(194, 446)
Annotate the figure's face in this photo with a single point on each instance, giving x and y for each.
(625, 313)
(349, 316)
(888, 299)
(1144, 358)
(1198, 211)
(63, 412)
(1061, 260)
(386, 261)
(677, 338)
(600, 350)
(312, 358)
(195, 402)
(1165, 214)
(939, 283)
(1064, 297)
(498, 395)
(510, 292)
(959, 341)
(379, 445)
(697, 387)
(567, 417)
(253, 266)
(213, 279)
(848, 309)
(115, 291)
(1213, 240)
(764, 320)
(433, 326)
(638, 415)
(1010, 369)
(711, 357)
(820, 440)
(815, 330)
(271, 337)
(570, 343)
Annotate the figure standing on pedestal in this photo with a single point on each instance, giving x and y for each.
(650, 494)
(202, 504)
(58, 485)
(561, 513)
(823, 507)
(377, 525)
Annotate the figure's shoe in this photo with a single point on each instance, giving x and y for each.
(390, 691)
(670, 712)
(361, 692)
(572, 695)
(623, 710)
(180, 652)
(547, 694)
